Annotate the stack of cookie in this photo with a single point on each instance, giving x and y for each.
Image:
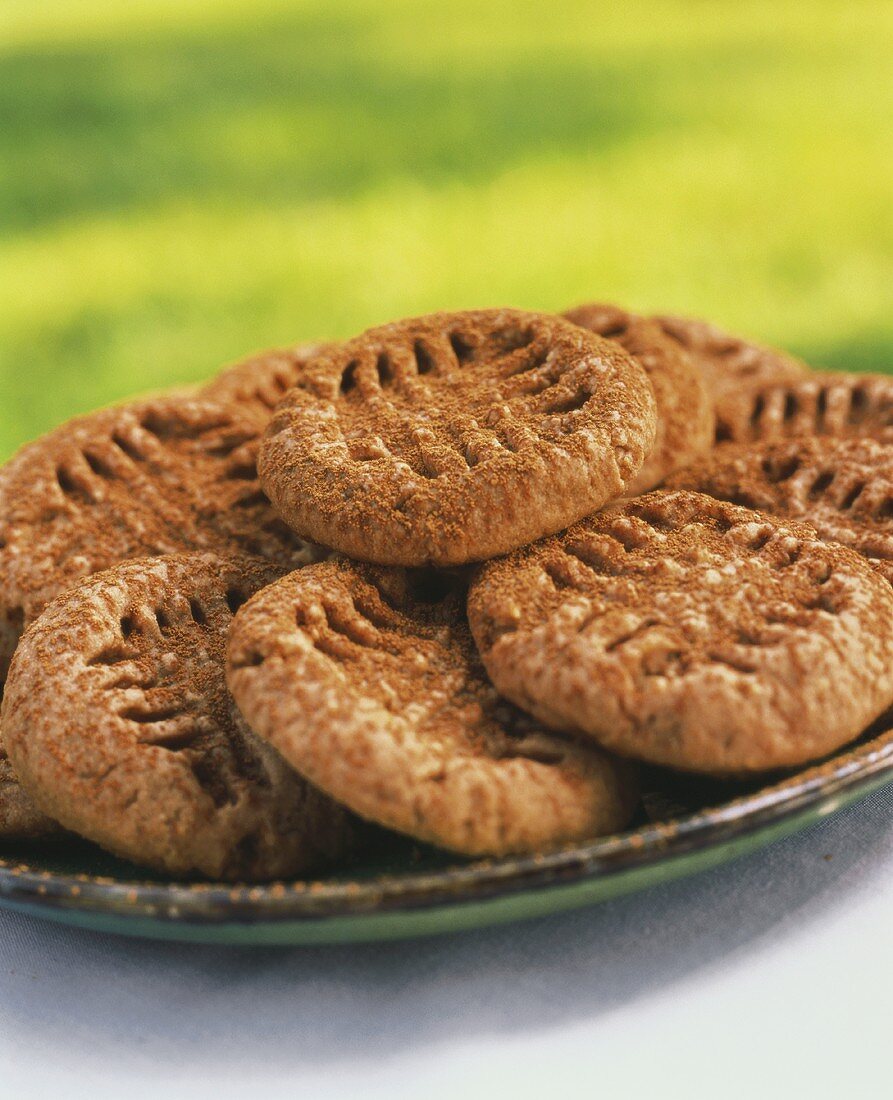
(426, 579)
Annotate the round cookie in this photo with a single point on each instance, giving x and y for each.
(728, 362)
(692, 633)
(685, 420)
(831, 404)
(119, 724)
(20, 819)
(152, 477)
(843, 487)
(367, 681)
(457, 436)
(256, 385)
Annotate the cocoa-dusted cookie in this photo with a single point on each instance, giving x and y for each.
(685, 418)
(152, 477)
(729, 362)
(457, 436)
(20, 819)
(843, 487)
(691, 632)
(367, 681)
(119, 724)
(256, 385)
(833, 404)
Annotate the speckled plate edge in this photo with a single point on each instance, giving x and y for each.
(455, 898)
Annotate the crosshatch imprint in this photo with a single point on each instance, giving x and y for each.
(836, 405)
(843, 487)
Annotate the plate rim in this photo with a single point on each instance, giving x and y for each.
(820, 788)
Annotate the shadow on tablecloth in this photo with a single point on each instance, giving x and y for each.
(86, 995)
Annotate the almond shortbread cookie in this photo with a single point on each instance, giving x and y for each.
(727, 362)
(257, 384)
(119, 724)
(457, 436)
(370, 686)
(843, 487)
(692, 633)
(839, 405)
(685, 420)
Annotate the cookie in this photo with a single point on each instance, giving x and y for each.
(839, 405)
(256, 385)
(153, 477)
(20, 819)
(455, 437)
(728, 362)
(119, 724)
(685, 418)
(367, 681)
(692, 633)
(843, 487)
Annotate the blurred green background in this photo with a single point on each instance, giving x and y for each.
(184, 181)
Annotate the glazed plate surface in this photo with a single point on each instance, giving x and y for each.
(403, 890)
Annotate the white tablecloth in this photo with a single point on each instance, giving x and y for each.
(768, 977)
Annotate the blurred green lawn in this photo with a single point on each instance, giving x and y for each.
(183, 181)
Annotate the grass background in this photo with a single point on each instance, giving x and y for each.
(184, 181)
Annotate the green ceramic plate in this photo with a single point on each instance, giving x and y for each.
(688, 825)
